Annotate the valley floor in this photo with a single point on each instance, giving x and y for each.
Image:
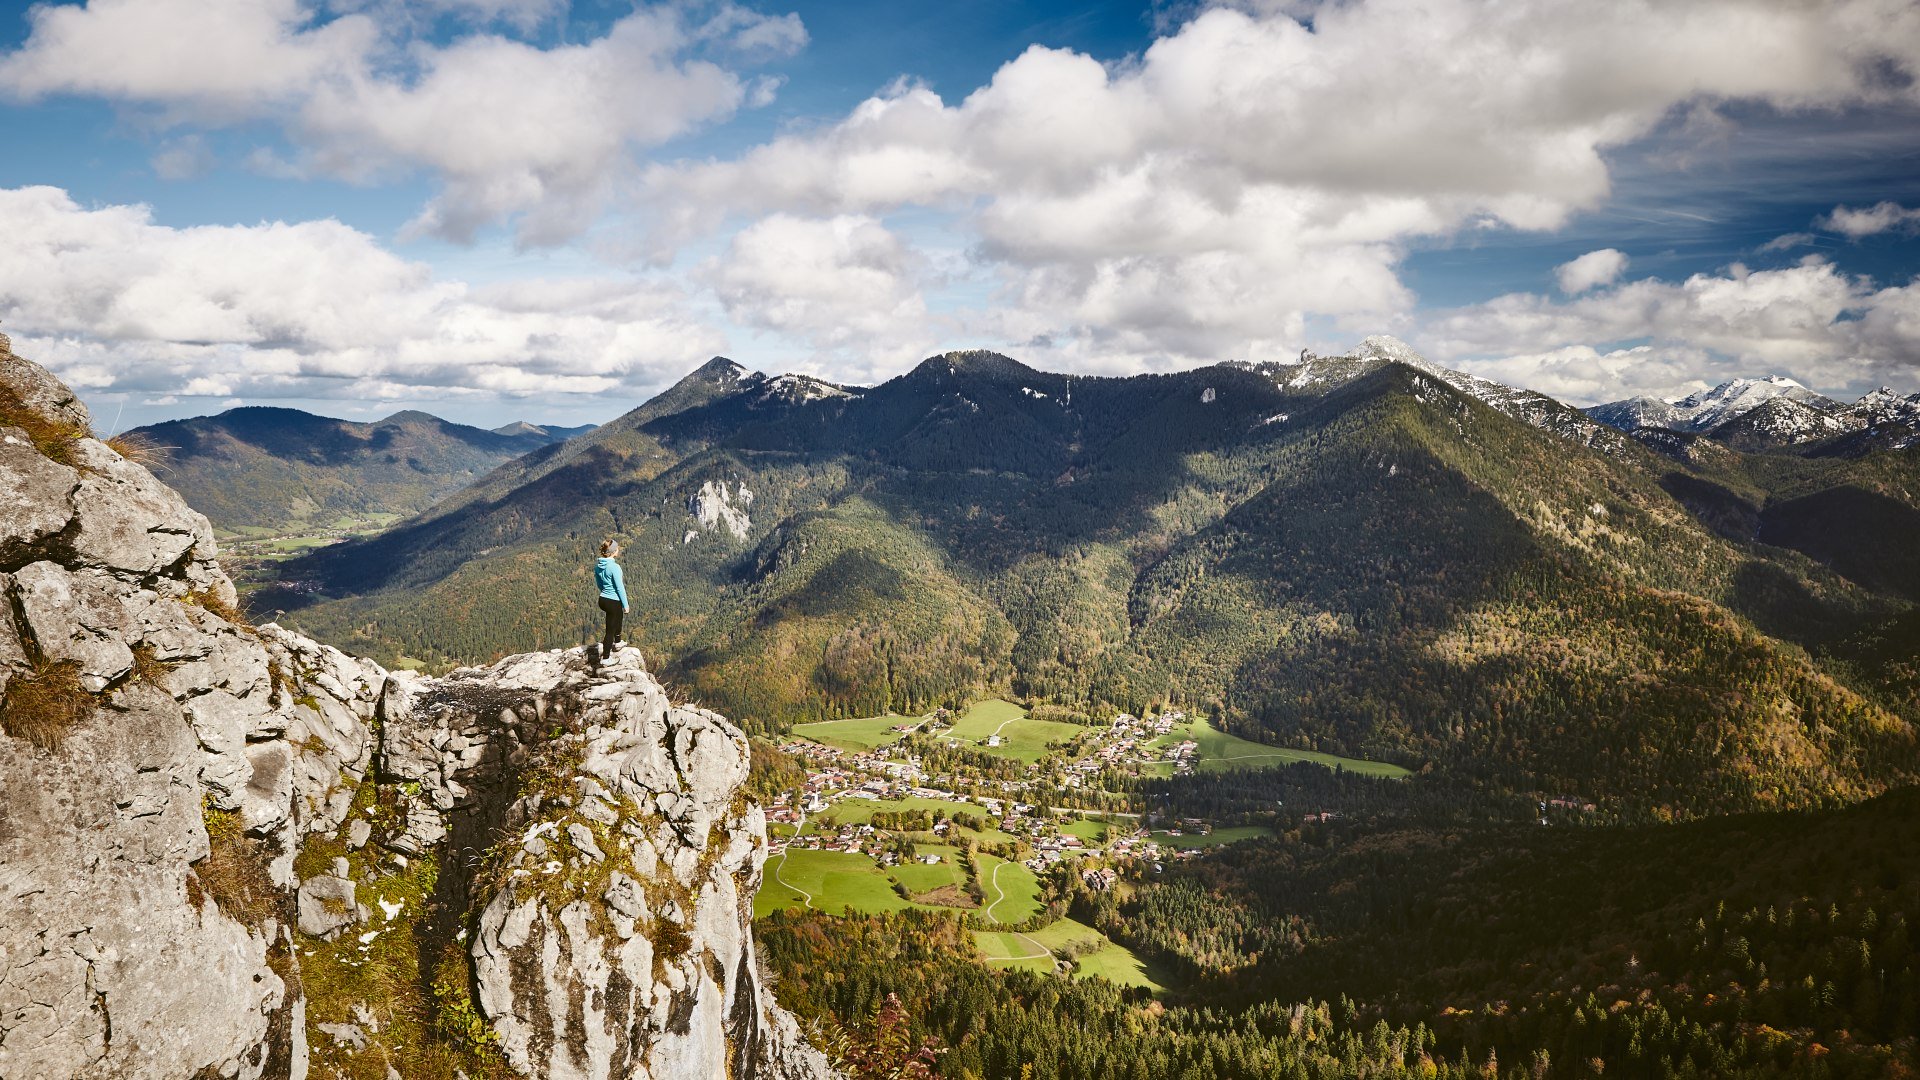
(878, 828)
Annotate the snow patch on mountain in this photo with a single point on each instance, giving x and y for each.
(1636, 413)
(1782, 421)
(1709, 409)
(1321, 373)
(798, 389)
(1883, 406)
(1771, 412)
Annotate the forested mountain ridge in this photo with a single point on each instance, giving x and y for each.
(272, 468)
(1366, 554)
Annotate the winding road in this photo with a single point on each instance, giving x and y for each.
(1000, 894)
(779, 874)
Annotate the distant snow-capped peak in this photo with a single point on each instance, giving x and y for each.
(1708, 409)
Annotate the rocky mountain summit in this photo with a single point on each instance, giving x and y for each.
(1772, 413)
(230, 851)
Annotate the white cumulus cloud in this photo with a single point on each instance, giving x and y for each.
(1602, 267)
(1856, 222)
(538, 135)
(846, 286)
(315, 309)
(1835, 332)
(1253, 169)
(214, 58)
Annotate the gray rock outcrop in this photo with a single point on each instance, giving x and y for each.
(208, 830)
(611, 938)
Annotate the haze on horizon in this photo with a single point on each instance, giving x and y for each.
(530, 209)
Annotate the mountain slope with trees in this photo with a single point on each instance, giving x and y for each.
(259, 468)
(1365, 554)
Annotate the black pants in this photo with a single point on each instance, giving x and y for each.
(615, 617)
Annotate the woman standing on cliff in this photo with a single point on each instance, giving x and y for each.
(613, 594)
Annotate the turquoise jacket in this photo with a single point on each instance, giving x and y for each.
(612, 583)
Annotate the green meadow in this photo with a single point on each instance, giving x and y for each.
(854, 734)
(861, 811)
(921, 878)
(1011, 893)
(1009, 950)
(1093, 955)
(834, 881)
(830, 881)
(1220, 751)
(1022, 738)
(1092, 830)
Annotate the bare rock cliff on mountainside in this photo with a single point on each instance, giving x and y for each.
(232, 851)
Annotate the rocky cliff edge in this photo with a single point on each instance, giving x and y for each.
(231, 851)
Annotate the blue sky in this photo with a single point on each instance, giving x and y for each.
(495, 209)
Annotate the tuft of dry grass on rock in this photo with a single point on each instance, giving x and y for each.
(54, 438)
(211, 601)
(43, 705)
(137, 449)
(234, 875)
(147, 668)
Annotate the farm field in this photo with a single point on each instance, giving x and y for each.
(833, 881)
(861, 811)
(988, 835)
(1116, 963)
(855, 734)
(293, 545)
(1066, 934)
(1023, 738)
(1220, 751)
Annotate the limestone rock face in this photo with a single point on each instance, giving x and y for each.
(174, 844)
(614, 937)
(118, 954)
(36, 495)
(107, 966)
(75, 617)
